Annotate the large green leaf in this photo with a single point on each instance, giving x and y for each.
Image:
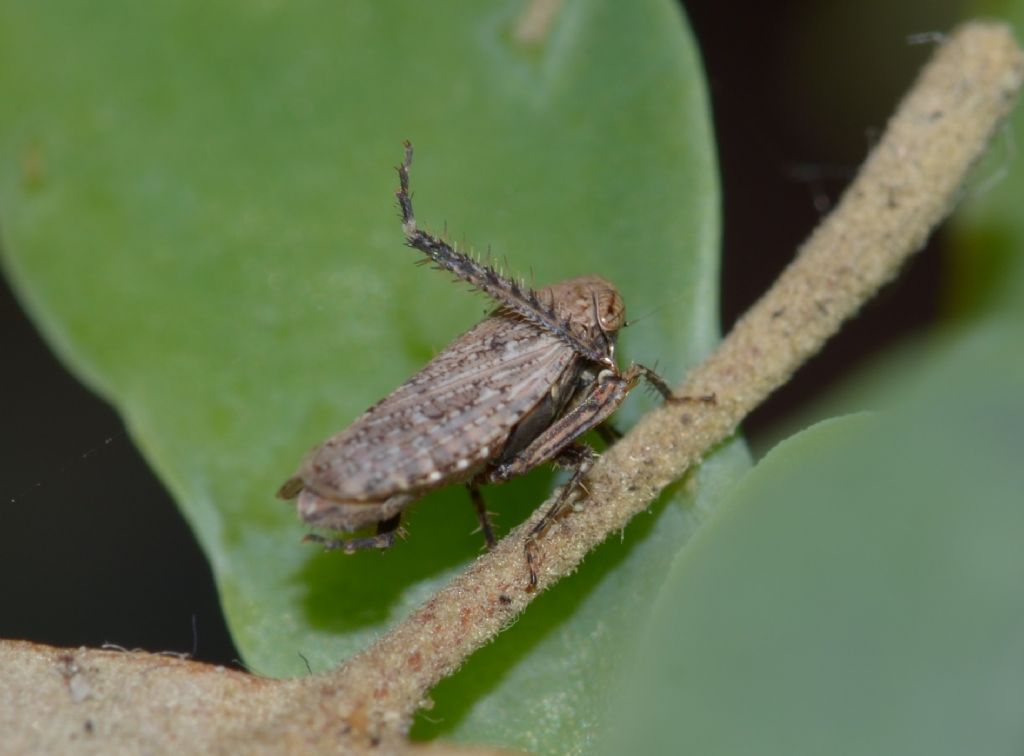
(860, 591)
(196, 206)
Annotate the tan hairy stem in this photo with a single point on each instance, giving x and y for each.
(109, 702)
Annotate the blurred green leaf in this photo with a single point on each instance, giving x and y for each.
(860, 591)
(197, 210)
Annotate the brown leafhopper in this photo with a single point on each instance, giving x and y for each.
(513, 392)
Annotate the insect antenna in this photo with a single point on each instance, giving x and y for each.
(651, 312)
(507, 292)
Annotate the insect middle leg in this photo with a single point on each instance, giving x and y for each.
(557, 444)
(481, 512)
(579, 458)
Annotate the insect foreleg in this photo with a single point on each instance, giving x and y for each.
(661, 386)
(658, 383)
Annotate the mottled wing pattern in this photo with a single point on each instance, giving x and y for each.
(447, 420)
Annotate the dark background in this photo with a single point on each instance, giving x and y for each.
(92, 549)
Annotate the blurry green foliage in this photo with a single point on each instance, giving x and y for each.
(196, 205)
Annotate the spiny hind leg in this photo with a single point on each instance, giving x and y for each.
(504, 290)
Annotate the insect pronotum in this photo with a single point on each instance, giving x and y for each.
(512, 393)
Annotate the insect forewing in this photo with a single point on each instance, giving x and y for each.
(446, 421)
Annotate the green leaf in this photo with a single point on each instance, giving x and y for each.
(197, 211)
(860, 591)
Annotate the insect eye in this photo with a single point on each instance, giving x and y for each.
(611, 317)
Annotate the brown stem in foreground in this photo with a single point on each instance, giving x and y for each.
(103, 701)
